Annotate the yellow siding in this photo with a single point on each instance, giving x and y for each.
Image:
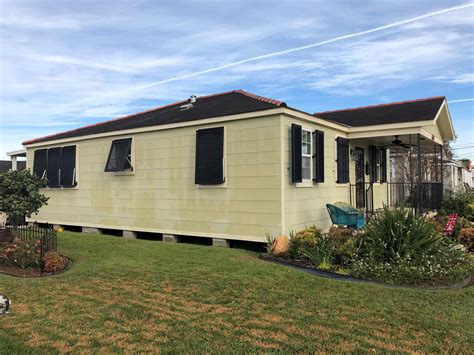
(161, 195)
(257, 198)
(305, 204)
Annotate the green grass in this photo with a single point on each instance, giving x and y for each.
(133, 295)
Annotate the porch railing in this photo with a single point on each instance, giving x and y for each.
(361, 195)
(425, 196)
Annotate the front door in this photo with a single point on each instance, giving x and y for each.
(360, 177)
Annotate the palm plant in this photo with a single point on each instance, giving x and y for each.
(398, 232)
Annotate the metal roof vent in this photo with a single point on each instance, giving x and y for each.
(185, 107)
(189, 105)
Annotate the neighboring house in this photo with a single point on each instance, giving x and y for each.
(228, 166)
(467, 173)
(6, 165)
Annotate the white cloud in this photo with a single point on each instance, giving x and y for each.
(466, 78)
(74, 62)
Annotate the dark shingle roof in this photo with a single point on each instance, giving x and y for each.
(227, 103)
(396, 112)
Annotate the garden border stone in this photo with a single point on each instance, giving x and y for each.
(335, 276)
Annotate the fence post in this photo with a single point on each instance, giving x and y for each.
(41, 253)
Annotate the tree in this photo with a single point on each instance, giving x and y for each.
(19, 194)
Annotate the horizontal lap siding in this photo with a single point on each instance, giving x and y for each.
(306, 206)
(161, 194)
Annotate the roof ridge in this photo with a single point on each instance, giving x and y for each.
(240, 91)
(382, 105)
(261, 98)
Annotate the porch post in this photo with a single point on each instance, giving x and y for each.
(412, 192)
(442, 172)
(14, 162)
(418, 142)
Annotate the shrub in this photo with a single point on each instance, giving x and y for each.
(395, 233)
(54, 262)
(19, 194)
(444, 265)
(466, 238)
(319, 255)
(306, 238)
(439, 221)
(20, 254)
(342, 242)
(470, 212)
(401, 248)
(269, 244)
(457, 202)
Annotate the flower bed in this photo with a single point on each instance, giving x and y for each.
(25, 258)
(395, 247)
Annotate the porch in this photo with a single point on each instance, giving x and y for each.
(404, 170)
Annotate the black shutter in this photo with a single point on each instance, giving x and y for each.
(209, 169)
(373, 164)
(383, 166)
(296, 160)
(319, 156)
(40, 162)
(342, 160)
(120, 151)
(53, 170)
(68, 166)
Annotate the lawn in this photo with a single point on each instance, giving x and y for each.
(137, 295)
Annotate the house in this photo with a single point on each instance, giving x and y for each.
(459, 175)
(7, 165)
(229, 166)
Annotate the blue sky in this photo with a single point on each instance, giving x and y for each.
(69, 63)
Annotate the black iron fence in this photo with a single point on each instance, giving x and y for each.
(361, 195)
(423, 197)
(42, 235)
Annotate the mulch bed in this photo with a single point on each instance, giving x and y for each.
(17, 272)
(469, 281)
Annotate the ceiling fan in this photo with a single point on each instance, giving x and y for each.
(398, 143)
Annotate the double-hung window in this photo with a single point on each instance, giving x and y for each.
(306, 155)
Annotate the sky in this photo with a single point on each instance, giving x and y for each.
(65, 64)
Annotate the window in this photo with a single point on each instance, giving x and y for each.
(53, 171)
(40, 163)
(209, 168)
(68, 166)
(306, 155)
(378, 164)
(383, 165)
(57, 165)
(120, 156)
(342, 160)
